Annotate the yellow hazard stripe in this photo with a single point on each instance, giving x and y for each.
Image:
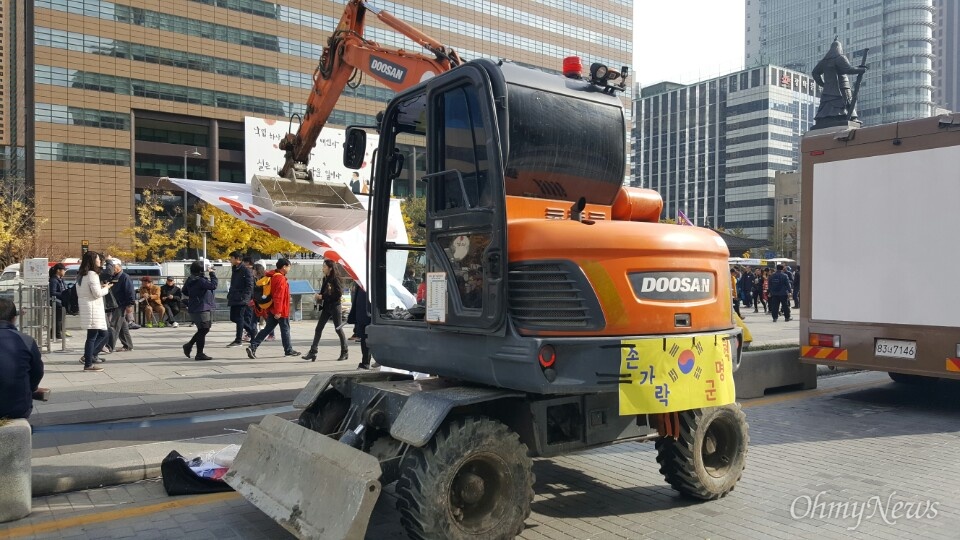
(953, 364)
(823, 353)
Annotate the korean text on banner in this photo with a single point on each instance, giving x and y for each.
(675, 374)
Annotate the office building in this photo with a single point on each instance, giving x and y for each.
(898, 33)
(946, 54)
(103, 98)
(712, 148)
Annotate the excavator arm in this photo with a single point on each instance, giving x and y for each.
(348, 52)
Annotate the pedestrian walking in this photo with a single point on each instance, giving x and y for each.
(735, 298)
(330, 299)
(362, 303)
(57, 288)
(759, 282)
(201, 304)
(796, 288)
(259, 315)
(126, 297)
(21, 367)
(779, 288)
(93, 318)
(238, 298)
(278, 314)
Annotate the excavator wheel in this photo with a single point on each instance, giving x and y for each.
(326, 415)
(708, 456)
(473, 480)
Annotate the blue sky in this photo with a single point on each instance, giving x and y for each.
(686, 40)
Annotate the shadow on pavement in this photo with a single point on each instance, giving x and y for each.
(570, 493)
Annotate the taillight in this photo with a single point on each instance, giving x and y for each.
(547, 356)
(825, 340)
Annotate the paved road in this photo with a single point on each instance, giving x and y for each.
(859, 443)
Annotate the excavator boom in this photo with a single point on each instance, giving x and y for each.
(347, 52)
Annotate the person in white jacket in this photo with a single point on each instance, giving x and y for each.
(90, 295)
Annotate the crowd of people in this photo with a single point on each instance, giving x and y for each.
(258, 299)
(773, 289)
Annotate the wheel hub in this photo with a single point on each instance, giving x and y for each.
(470, 487)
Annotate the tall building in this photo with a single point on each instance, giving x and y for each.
(114, 95)
(712, 148)
(899, 34)
(946, 54)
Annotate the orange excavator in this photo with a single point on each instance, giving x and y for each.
(346, 55)
(560, 315)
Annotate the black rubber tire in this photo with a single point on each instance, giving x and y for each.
(913, 380)
(325, 415)
(460, 452)
(707, 459)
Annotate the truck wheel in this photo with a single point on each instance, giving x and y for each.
(473, 480)
(708, 457)
(326, 415)
(914, 380)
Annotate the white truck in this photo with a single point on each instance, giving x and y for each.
(879, 249)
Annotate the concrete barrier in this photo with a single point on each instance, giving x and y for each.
(775, 368)
(16, 445)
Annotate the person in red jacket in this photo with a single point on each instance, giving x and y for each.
(278, 314)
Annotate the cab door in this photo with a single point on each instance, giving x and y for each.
(466, 223)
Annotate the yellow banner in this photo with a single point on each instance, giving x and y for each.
(675, 374)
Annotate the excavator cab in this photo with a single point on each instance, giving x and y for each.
(464, 257)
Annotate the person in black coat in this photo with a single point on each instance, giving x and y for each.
(21, 367)
(362, 314)
(200, 306)
(329, 297)
(57, 288)
(238, 298)
(170, 296)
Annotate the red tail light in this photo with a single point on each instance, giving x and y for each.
(824, 340)
(547, 356)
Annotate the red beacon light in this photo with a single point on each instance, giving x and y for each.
(572, 67)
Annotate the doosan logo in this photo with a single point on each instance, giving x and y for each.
(673, 285)
(391, 71)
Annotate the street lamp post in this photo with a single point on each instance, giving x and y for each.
(200, 229)
(195, 153)
(188, 153)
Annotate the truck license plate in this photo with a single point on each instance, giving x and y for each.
(896, 348)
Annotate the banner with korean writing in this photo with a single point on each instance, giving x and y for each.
(348, 248)
(262, 154)
(675, 374)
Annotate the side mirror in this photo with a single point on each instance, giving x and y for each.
(353, 147)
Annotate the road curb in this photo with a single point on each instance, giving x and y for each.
(99, 468)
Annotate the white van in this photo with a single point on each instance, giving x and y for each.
(10, 277)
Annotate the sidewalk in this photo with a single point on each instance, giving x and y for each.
(156, 378)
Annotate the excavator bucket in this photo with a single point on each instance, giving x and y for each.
(314, 486)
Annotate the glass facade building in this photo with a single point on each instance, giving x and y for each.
(111, 96)
(899, 34)
(946, 54)
(712, 148)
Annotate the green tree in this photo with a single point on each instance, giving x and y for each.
(230, 233)
(19, 232)
(414, 211)
(154, 236)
